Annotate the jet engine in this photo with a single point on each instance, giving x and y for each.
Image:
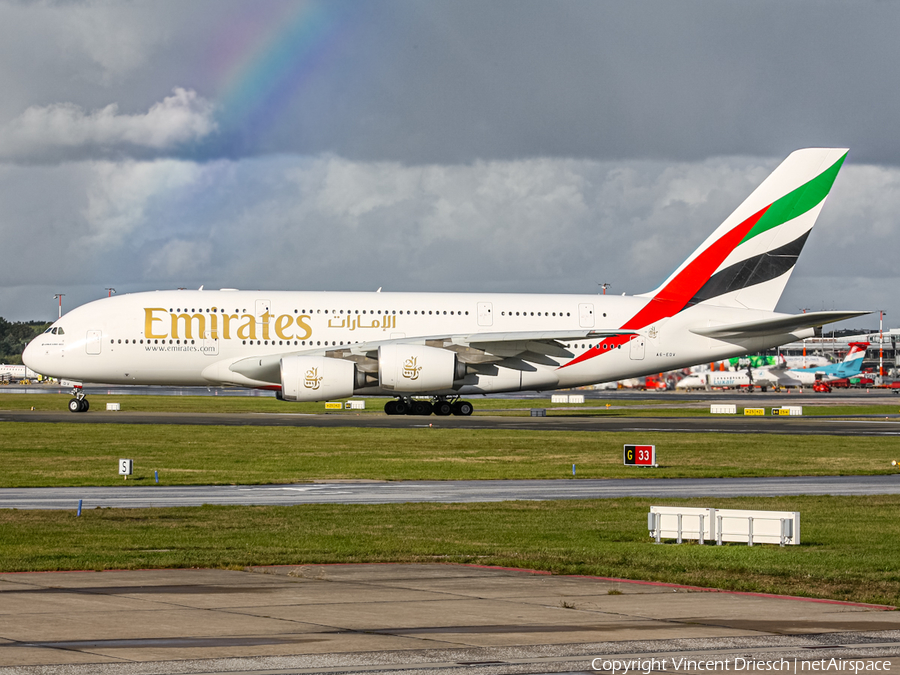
(318, 378)
(417, 368)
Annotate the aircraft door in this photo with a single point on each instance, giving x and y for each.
(210, 345)
(262, 306)
(636, 349)
(485, 314)
(94, 340)
(586, 315)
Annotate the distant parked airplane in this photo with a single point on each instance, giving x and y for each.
(806, 377)
(774, 376)
(17, 372)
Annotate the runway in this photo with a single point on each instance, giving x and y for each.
(441, 491)
(832, 426)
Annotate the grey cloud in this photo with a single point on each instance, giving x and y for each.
(505, 146)
(68, 131)
(454, 82)
(329, 223)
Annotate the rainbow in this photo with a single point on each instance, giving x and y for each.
(265, 63)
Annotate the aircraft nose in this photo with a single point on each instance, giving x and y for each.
(32, 356)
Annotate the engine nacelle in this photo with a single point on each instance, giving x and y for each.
(318, 378)
(417, 368)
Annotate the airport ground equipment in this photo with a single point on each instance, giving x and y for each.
(724, 525)
(723, 409)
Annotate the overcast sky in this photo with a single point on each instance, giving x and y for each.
(442, 145)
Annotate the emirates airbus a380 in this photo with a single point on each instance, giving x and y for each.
(438, 347)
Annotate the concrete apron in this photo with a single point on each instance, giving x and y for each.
(409, 618)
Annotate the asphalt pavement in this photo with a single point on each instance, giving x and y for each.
(396, 492)
(888, 425)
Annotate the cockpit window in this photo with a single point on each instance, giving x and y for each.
(55, 330)
(49, 330)
(60, 331)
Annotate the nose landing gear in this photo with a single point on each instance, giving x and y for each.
(439, 405)
(79, 402)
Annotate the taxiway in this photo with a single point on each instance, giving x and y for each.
(398, 492)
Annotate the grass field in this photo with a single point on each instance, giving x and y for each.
(35, 455)
(850, 545)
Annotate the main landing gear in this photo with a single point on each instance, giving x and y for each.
(79, 403)
(439, 405)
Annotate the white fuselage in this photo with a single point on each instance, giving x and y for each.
(192, 337)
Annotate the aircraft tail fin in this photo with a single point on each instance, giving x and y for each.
(852, 363)
(747, 261)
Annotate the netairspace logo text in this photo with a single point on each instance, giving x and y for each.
(739, 664)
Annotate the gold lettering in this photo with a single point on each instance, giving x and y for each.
(281, 323)
(301, 322)
(226, 325)
(191, 326)
(247, 331)
(188, 320)
(148, 323)
(265, 318)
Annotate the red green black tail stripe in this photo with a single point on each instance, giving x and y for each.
(695, 282)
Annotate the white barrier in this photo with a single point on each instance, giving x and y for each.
(721, 525)
(723, 409)
(566, 398)
(758, 527)
(354, 405)
(681, 522)
(113, 406)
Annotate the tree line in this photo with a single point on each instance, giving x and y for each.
(14, 336)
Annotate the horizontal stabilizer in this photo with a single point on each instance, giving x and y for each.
(779, 326)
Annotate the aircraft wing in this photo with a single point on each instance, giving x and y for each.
(779, 326)
(512, 350)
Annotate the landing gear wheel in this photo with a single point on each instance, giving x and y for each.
(401, 407)
(443, 408)
(462, 408)
(85, 405)
(76, 406)
(421, 408)
(390, 408)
